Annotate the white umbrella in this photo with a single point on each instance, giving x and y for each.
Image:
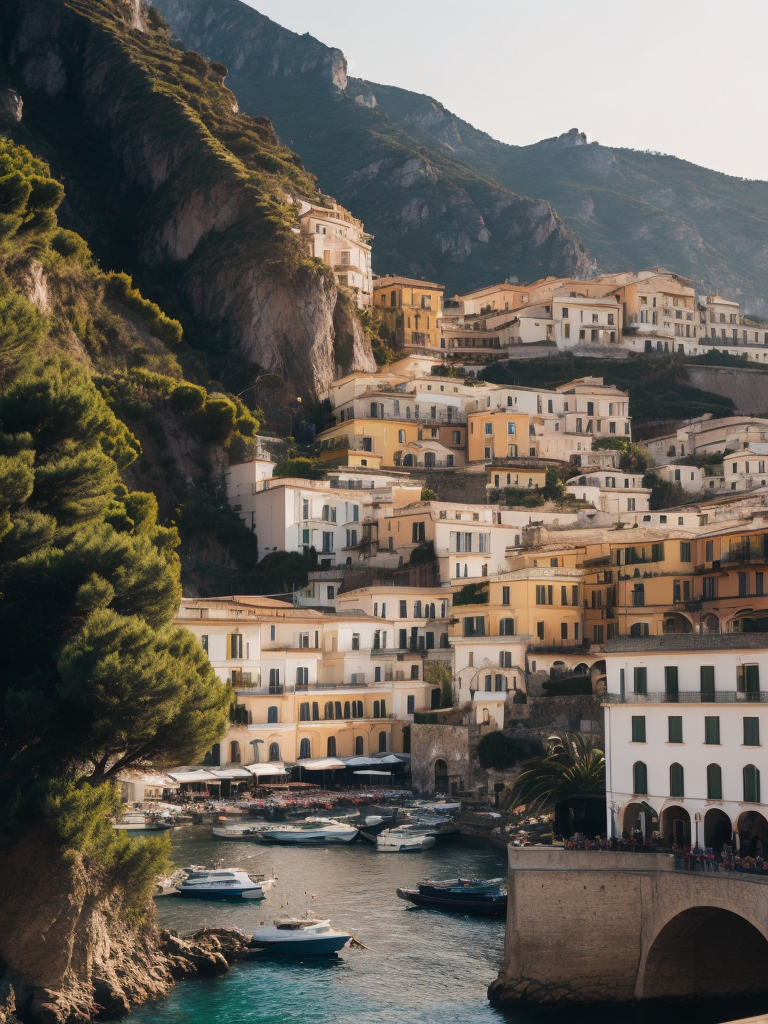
(258, 770)
(193, 775)
(321, 764)
(369, 772)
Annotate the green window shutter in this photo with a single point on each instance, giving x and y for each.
(707, 678)
(640, 779)
(675, 728)
(712, 729)
(638, 728)
(751, 732)
(641, 680)
(676, 781)
(714, 782)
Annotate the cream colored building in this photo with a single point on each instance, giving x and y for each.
(410, 311)
(337, 238)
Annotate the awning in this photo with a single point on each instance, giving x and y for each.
(321, 764)
(360, 761)
(369, 772)
(159, 781)
(390, 759)
(231, 773)
(257, 770)
(193, 775)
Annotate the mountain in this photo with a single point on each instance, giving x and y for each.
(167, 180)
(444, 200)
(431, 214)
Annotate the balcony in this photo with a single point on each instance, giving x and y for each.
(692, 697)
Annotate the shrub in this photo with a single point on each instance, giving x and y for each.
(471, 593)
(120, 287)
(188, 398)
(70, 245)
(306, 469)
(427, 494)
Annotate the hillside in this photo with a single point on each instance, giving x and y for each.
(431, 215)
(168, 181)
(422, 178)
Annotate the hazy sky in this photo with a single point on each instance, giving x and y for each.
(686, 77)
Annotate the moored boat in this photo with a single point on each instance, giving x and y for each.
(309, 831)
(403, 840)
(292, 936)
(253, 833)
(138, 821)
(485, 897)
(223, 884)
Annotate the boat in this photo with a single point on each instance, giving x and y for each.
(486, 897)
(245, 832)
(309, 831)
(138, 821)
(292, 936)
(370, 825)
(403, 840)
(223, 884)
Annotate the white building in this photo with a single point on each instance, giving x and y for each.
(688, 477)
(337, 238)
(685, 721)
(613, 491)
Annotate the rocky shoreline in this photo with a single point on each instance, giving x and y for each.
(208, 952)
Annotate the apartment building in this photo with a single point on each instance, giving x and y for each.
(685, 719)
(707, 436)
(306, 684)
(334, 236)
(613, 491)
(410, 311)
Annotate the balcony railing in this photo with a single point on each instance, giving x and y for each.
(688, 697)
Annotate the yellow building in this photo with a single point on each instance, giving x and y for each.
(496, 434)
(410, 311)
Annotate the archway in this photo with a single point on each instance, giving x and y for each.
(710, 624)
(441, 776)
(717, 829)
(676, 825)
(706, 951)
(408, 460)
(753, 834)
(674, 622)
(639, 817)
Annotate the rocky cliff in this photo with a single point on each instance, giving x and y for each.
(431, 215)
(443, 198)
(166, 179)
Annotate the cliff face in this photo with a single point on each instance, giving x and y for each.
(164, 178)
(431, 216)
(428, 184)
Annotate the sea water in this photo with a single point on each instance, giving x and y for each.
(421, 966)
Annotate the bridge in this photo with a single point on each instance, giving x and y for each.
(589, 927)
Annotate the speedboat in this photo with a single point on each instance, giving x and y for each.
(223, 884)
(138, 821)
(403, 840)
(370, 825)
(310, 830)
(487, 897)
(294, 936)
(249, 832)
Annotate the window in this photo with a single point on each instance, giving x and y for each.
(510, 428)
(505, 595)
(709, 549)
(355, 641)
(272, 715)
(639, 779)
(204, 642)
(274, 751)
(304, 712)
(539, 630)
(714, 782)
(748, 680)
(638, 595)
(641, 680)
(670, 683)
(234, 752)
(488, 428)
(639, 629)
(709, 588)
(507, 627)
(410, 704)
(474, 625)
(638, 728)
(414, 671)
(685, 551)
(418, 534)
(327, 543)
(712, 730)
(707, 682)
(675, 728)
(563, 630)
(357, 709)
(743, 584)
(401, 437)
(676, 780)
(382, 742)
(274, 680)
(305, 749)
(751, 784)
(235, 645)
(751, 732)
(331, 747)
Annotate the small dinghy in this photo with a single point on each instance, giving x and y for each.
(223, 884)
(292, 936)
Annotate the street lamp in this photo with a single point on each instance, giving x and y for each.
(254, 744)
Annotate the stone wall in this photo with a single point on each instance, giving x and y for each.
(451, 743)
(746, 387)
(612, 927)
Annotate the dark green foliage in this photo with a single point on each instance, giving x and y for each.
(422, 554)
(574, 766)
(499, 751)
(281, 572)
(188, 398)
(572, 687)
(657, 385)
(526, 497)
(471, 593)
(633, 459)
(306, 469)
(427, 494)
(553, 489)
(120, 287)
(664, 493)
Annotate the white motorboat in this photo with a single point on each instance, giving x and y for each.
(293, 936)
(138, 821)
(403, 840)
(253, 833)
(223, 884)
(309, 831)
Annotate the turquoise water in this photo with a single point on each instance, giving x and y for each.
(422, 967)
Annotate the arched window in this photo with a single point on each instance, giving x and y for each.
(305, 750)
(714, 782)
(234, 752)
(315, 711)
(304, 712)
(337, 709)
(274, 751)
(331, 749)
(328, 711)
(272, 715)
(640, 778)
(359, 745)
(357, 709)
(347, 709)
(382, 742)
(751, 784)
(676, 780)
(383, 708)
(376, 707)
(507, 627)
(488, 683)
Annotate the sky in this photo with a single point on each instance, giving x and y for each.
(685, 77)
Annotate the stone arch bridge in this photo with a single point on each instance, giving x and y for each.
(586, 927)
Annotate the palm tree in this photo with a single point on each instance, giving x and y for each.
(573, 767)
